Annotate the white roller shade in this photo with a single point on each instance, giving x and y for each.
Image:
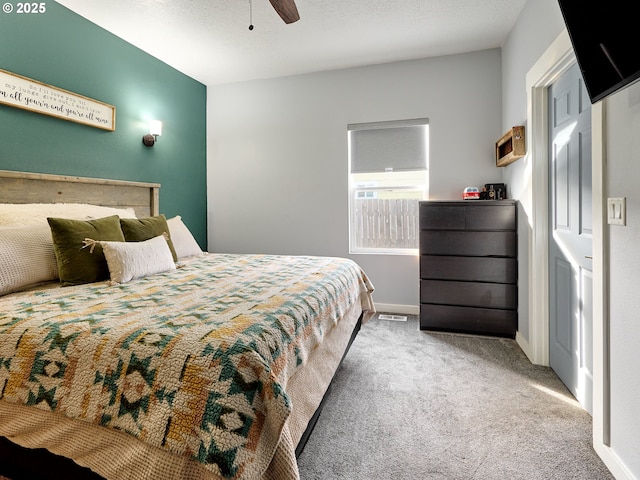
(385, 146)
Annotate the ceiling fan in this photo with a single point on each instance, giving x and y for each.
(286, 9)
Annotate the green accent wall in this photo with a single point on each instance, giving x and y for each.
(63, 49)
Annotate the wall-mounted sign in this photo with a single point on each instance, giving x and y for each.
(28, 94)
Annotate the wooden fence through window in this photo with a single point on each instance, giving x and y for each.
(385, 223)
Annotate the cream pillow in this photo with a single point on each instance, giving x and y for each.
(26, 257)
(14, 214)
(131, 260)
(183, 242)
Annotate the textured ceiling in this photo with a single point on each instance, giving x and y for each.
(210, 40)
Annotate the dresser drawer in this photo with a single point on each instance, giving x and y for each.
(492, 215)
(476, 269)
(469, 294)
(435, 242)
(469, 320)
(498, 216)
(435, 216)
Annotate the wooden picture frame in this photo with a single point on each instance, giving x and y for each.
(28, 94)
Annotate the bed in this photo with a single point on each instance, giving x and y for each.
(215, 366)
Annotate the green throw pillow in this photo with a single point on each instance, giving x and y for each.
(141, 229)
(77, 264)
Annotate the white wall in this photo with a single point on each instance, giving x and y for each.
(277, 154)
(623, 169)
(539, 24)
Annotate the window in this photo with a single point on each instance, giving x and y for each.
(387, 178)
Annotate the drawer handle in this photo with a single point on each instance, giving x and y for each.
(589, 257)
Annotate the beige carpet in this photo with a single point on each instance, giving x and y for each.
(411, 404)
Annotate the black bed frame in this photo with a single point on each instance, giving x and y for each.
(20, 463)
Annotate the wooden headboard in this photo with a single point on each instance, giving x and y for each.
(24, 187)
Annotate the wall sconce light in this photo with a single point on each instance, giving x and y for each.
(155, 130)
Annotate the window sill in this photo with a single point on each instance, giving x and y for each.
(385, 251)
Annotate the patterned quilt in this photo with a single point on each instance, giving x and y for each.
(194, 361)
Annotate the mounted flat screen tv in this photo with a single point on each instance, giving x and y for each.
(604, 36)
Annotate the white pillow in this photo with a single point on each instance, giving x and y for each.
(130, 260)
(14, 214)
(26, 257)
(183, 242)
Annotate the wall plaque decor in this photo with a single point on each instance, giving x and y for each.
(22, 92)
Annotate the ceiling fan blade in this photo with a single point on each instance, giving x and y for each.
(286, 9)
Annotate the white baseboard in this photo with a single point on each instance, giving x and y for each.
(524, 345)
(613, 462)
(392, 308)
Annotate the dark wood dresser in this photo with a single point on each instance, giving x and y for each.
(468, 267)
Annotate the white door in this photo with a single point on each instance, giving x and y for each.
(570, 236)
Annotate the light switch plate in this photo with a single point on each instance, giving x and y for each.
(617, 211)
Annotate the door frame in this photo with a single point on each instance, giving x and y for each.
(553, 62)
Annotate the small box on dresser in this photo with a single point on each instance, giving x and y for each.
(468, 267)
